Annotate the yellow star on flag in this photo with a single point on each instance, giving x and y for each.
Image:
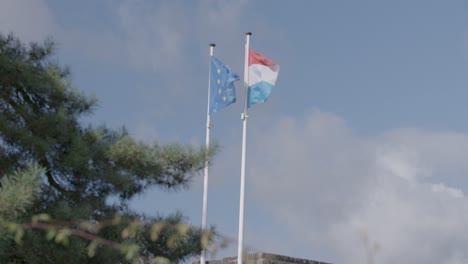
(224, 98)
(219, 71)
(219, 81)
(219, 90)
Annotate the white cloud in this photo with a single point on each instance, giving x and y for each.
(148, 35)
(31, 20)
(161, 35)
(363, 200)
(153, 33)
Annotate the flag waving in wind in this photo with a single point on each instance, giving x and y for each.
(222, 90)
(262, 77)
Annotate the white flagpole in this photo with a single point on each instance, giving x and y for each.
(240, 245)
(207, 144)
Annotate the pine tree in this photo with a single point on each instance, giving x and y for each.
(83, 168)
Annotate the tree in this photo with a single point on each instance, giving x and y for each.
(83, 169)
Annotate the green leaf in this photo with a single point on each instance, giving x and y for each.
(50, 234)
(160, 260)
(92, 247)
(62, 236)
(40, 218)
(19, 236)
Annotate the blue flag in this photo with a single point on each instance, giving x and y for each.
(222, 91)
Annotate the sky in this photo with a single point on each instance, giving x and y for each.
(360, 154)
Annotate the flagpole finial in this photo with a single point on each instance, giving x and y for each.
(248, 33)
(212, 45)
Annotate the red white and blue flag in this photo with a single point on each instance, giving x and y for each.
(263, 73)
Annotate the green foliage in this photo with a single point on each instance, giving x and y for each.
(18, 191)
(136, 235)
(83, 167)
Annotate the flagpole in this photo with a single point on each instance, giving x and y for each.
(240, 246)
(207, 144)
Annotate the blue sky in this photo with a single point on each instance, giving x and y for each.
(360, 154)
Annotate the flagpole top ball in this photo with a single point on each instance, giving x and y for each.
(212, 45)
(248, 33)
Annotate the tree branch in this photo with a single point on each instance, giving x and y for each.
(75, 232)
(50, 178)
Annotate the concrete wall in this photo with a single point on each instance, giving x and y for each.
(264, 258)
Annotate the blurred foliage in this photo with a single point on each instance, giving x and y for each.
(71, 205)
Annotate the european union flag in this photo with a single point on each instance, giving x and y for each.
(222, 91)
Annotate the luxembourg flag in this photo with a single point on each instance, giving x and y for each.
(263, 73)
